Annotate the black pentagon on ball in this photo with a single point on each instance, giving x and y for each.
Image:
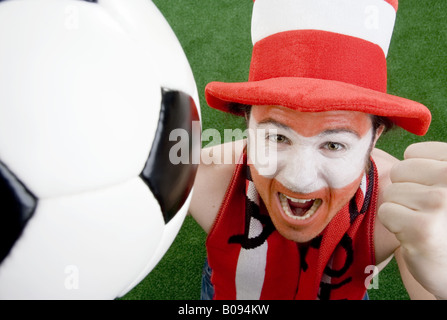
(18, 205)
(171, 183)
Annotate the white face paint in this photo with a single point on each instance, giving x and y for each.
(333, 158)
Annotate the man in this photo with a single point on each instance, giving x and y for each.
(305, 226)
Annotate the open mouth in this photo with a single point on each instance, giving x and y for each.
(299, 209)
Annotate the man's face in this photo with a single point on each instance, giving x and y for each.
(318, 158)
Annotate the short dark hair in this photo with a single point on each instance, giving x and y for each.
(240, 109)
(378, 121)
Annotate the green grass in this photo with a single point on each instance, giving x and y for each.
(215, 35)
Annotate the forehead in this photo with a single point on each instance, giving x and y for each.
(310, 124)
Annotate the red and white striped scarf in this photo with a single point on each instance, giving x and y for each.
(251, 260)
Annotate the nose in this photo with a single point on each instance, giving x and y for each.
(301, 173)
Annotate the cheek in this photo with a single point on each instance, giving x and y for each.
(343, 171)
(265, 188)
(340, 197)
(263, 183)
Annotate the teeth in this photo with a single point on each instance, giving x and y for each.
(285, 205)
(298, 200)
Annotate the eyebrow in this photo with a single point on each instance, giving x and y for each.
(273, 122)
(270, 121)
(341, 130)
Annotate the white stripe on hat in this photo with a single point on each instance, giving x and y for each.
(371, 20)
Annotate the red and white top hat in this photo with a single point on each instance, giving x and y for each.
(322, 55)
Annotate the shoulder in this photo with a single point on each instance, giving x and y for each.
(385, 242)
(216, 168)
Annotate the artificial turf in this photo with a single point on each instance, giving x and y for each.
(215, 35)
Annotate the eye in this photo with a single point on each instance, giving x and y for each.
(277, 138)
(334, 146)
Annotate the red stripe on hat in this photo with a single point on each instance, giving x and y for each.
(320, 55)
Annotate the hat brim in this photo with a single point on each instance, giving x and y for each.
(317, 95)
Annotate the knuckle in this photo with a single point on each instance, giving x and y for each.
(427, 232)
(435, 199)
(413, 150)
(398, 192)
(384, 210)
(396, 170)
(405, 169)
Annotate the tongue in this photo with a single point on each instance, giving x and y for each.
(300, 209)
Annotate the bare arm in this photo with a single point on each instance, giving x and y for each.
(213, 177)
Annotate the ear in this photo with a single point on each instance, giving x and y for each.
(247, 117)
(379, 132)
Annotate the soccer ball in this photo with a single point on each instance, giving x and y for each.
(90, 92)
